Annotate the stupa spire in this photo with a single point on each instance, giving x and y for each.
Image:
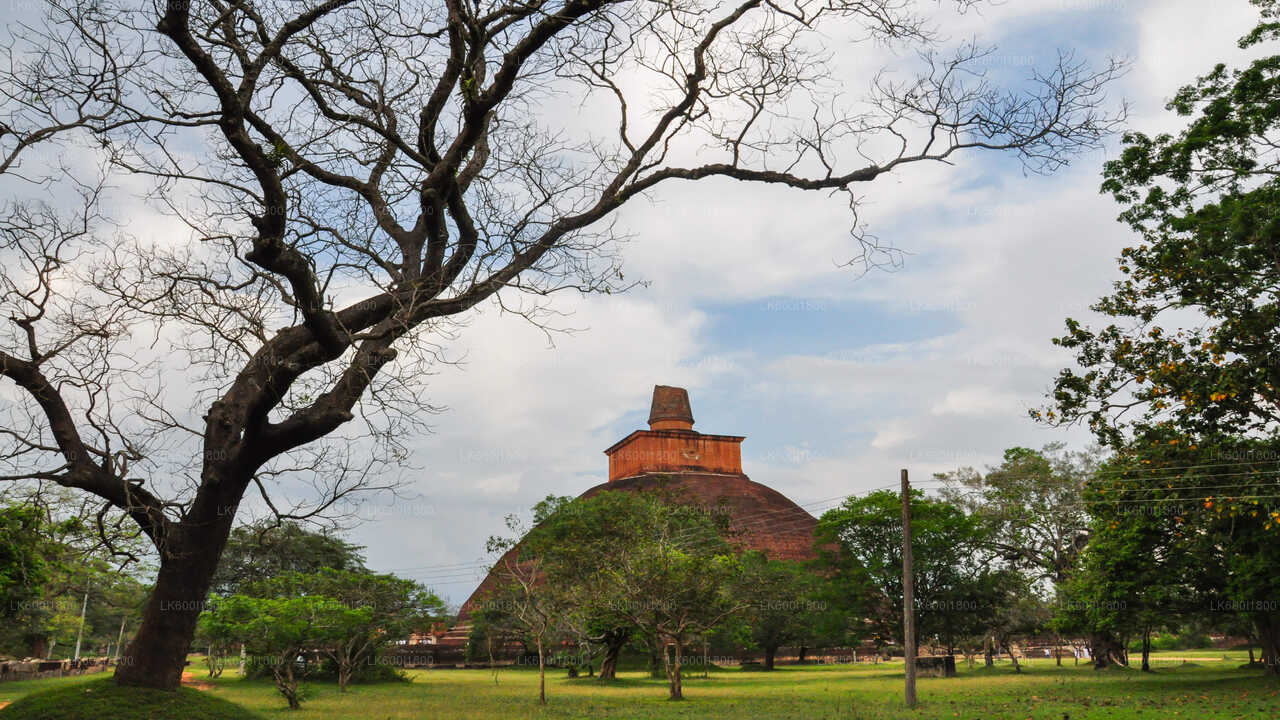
(670, 409)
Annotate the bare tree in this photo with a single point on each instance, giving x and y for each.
(353, 175)
(524, 603)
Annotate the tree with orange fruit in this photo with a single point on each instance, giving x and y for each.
(1184, 380)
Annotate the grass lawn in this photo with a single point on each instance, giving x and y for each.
(99, 698)
(1207, 686)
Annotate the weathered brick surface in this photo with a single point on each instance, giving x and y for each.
(674, 451)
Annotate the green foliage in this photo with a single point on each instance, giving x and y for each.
(49, 557)
(1164, 642)
(278, 630)
(603, 568)
(23, 570)
(1132, 579)
(780, 601)
(1187, 373)
(370, 673)
(1175, 538)
(102, 698)
(1207, 205)
(860, 549)
(348, 616)
(1029, 508)
(256, 552)
(578, 543)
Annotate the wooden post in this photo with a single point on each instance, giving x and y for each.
(908, 596)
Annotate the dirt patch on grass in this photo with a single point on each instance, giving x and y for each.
(190, 681)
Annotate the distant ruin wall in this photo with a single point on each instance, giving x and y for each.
(40, 669)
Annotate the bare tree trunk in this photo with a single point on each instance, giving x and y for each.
(988, 652)
(654, 670)
(1268, 625)
(1016, 667)
(609, 665)
(286, 683)
(542, 674)
(1146, 649)
(344, 674)
(1105, 650)
(158, 652)
(677, 690)
(769, 653)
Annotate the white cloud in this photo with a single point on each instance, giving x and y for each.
(979, 401)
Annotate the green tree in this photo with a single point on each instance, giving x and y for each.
(1195, 315)
(779, 603)
(1018, 612)
(1029, 507)
(1188, 366)
(675, 594)
(642, 562)
(279, 630)
(70, 565)
(578, 541)
(1135, 575)
(860, 548)
(267, 549)
(395, 608)
(525, 601)
(1031, 511)
(24, 572)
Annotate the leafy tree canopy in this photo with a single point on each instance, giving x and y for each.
(1194, 321)
(1029, 506)
(256, 552)
(23, 570)
(860, 545)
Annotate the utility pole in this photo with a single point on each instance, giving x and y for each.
(80, 633)
(120, 638)
(908, 596)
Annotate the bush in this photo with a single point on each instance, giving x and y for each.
(100, 699)
(365, 674)
(1174, 641)
(325, 669)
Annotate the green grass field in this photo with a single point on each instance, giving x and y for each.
(1205, 686)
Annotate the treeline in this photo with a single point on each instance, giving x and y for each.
(71, 579)
(1083, 553)
(288, 603)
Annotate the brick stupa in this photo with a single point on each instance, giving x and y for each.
(696, 468)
